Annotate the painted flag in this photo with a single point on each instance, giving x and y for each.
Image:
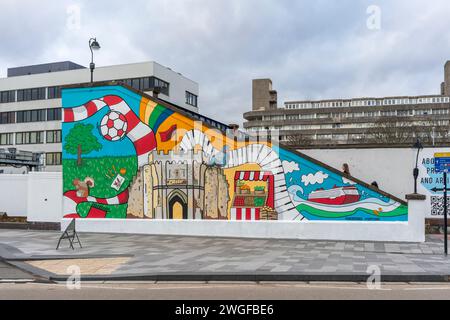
(167, 135)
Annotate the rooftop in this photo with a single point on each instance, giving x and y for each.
(43, 68)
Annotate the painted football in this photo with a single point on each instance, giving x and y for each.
(113, 126)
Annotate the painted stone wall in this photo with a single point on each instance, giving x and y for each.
(126, 156)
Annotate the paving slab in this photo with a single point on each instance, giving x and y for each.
(158, 258)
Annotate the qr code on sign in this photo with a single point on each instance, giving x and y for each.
(437, 206)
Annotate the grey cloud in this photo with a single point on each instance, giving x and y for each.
(311, 49)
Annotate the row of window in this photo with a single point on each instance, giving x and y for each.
(30, 94)
(53, 159)
(42, 93)
(31, 137)
(148, 83)
(438, 123)
(191, 99)
(7, 96)
(366, 103)
(362, 136)
(369, 114)
(53, 114)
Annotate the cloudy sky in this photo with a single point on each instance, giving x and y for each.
(311, 49)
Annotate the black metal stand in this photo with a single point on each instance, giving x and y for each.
(70, 234)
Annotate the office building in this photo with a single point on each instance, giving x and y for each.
(30, 100)
(353, 122)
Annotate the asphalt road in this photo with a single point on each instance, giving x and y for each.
(224, 291)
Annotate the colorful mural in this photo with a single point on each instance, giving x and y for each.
(126, 156)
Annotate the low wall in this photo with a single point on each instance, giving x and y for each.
(37, 196)
(411, 231)
(391, 168)
(44, 197)
(14, 194)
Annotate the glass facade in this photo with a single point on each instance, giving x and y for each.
(7, 96)
(191, 99)
(53, 136)
(31, 116)
(31, 94)
(6, 139)
(7, 117)
(147, 84)
(33, 137)
(53, 159)
(53, 92)
(54, 114)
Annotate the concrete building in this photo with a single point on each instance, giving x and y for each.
(264, 97)
(30, 101)
(354, 122)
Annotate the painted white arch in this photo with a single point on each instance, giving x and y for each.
(259, 154)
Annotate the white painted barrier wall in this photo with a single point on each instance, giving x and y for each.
(37, 196)
(411, 231)
(45, 197)
(391, 168)
(14, 194)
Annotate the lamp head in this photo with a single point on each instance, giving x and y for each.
(94, 44)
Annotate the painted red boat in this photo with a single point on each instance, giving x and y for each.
(335, 196)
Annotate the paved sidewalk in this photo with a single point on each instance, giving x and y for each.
(8, 272)
(151, 255)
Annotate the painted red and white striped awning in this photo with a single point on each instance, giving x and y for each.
(253, 175)
(245, 214)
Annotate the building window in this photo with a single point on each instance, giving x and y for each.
(7, 96)
(7, 117)
(191, 99)
(53, 136)
(53, 159)
(162, 85)
(31, 94)
(54, 114)
(34, 137)
(53, 92)
(31, 116)
(6, 139)
(147, 84)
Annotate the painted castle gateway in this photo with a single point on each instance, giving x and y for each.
(130, 156)
(179, 185)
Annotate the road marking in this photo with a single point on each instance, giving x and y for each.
(420, 289)
(8, 281)
(324, 286)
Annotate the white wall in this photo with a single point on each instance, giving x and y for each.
(391, 168)
(411, 231)
(44, 197)
(37, 196)
(14, 194)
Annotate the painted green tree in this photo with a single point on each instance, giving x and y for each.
(81, 141)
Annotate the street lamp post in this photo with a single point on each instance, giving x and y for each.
(93, 45)
(419, 147)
